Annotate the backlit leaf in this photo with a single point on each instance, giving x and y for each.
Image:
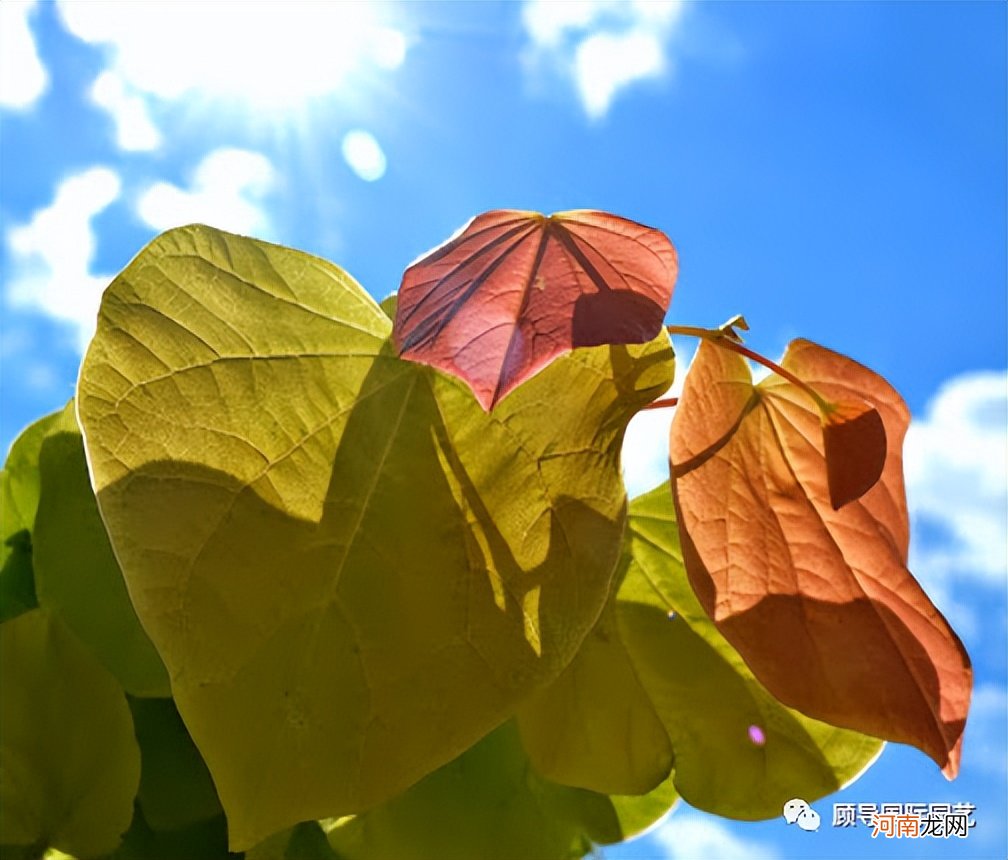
(513, 290)
(69, 763)
(490, 804)
(738, 751)
(338, 542)
(76, 573)
(19, 492)
(21, 480)
(818, 601)
(389, 305)
(595, 726)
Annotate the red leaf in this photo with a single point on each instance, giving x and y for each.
(818, 601)
(500, 300)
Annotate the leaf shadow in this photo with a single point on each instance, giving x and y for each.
(610, 316)
(899, 706)
(370, 645)
(708, 708)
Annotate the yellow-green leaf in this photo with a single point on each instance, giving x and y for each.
(76, 573)
(490, 804)
(636, 813)
(389, 305)
(595, 726)
(738, 751)
(21, 481)
(304, 841)
(19, 493)
(69, 763)
(336, 541)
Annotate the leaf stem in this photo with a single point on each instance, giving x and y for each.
(695, 331)
(717, 336)
(661, 403)
(780, 371)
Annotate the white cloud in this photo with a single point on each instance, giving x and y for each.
(23, 78)
(984, 744)
(134, 128)
(645, 450)
(605, 63)
(548, 23)
(957, 478)
(227, 190)
(52, 253)
(603, 46)
(267, 55)
(689, 835)
(364, 156)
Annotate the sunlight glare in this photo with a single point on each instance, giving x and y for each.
(266, 55)
(363, 154)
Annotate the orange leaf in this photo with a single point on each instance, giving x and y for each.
(818, 601)
(513, 290)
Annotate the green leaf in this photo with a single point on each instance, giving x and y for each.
(175, 785)
(635, 813)
(19, 493)
(304, 841)
(21, 480)
(205, 840)
(76, 573)
(708, 698)
(489, 803)
(69, 763)
(595, 726)
(337, 541)
(389, 304)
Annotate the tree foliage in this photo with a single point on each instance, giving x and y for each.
(321, 585)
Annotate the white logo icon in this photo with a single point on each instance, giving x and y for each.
(797, 811)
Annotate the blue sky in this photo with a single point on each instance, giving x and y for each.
(832, 171)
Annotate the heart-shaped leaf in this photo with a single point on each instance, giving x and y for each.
(513, 290)
(76, 574)
(595, 727)
(818, 601)
(21, 479)
(19, 494)
(738, 751)
(342, 543)
(69, 764)
(490, 804)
